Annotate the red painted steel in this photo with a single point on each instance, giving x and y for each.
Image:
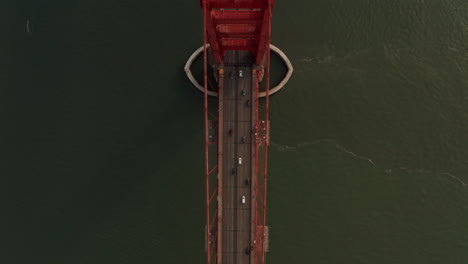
(207, 168)
(211, 218)
(267, 136)
(237, 25)
(257, 165)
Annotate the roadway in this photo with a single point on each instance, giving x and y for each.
(237, 171)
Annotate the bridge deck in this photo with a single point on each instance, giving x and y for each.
(237, 173)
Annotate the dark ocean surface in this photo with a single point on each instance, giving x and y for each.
(101, 134)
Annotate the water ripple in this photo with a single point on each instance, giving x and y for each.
(388, 171)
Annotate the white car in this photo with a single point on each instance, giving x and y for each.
(240, 73)
(243, 199)
(240, 161)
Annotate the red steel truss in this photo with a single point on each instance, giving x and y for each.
(237, 25)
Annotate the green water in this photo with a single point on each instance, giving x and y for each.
(102, 135)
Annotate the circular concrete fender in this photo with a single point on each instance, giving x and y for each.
(275, 89)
